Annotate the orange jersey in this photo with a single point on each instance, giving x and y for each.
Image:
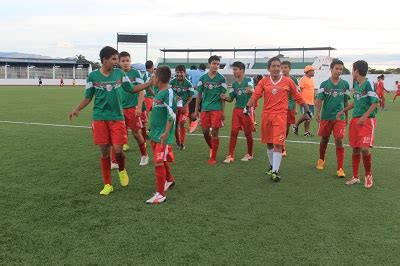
(276, 94)
(307, 87)
(379, 87)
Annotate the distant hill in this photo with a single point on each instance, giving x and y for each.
(23, 55)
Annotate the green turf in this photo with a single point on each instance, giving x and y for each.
(224, 214)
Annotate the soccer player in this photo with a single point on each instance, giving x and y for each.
(132, 104)
(162, 124)
(242, 89)
(276, 90)
(184, 91)
(108, 124)
(397, 92)
(210, 87)
(332, 97)
(307, 91)
(73, 82)
(40, 82)
(62, 81)
(363, 123)
(380, 91)
(286, 66)
(149, 94)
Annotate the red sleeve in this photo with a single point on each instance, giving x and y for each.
(259, 90)
(294, 93)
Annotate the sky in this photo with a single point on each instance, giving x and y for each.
(365, 29)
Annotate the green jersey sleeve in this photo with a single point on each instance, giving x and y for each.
(321, 91)
(89, 88)
(371, 93)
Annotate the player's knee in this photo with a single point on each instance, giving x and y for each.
(365, 150)
(339, 142)
(214, 132)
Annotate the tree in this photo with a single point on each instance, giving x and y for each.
(81, 59)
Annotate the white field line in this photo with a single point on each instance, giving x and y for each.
(194, 134)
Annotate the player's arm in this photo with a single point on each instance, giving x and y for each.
(224, 89)
(257, 94)
(230, 97)
(299, 99)
(140, 103)
(89, 93)
(365, 116)
(345, 110)
(199, 96)
(319, 102)
(171, 118)
(191, 93)
(75, 112)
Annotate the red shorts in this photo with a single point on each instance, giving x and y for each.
(131, 120)
(242, 121)
(162, 153)
(381, 96)
(182, 114)
(326, 127)
(273, 128)
(148, 102)
(144, 117)
(109, 132)
(398, 93)
(362, 136)
(211, 119)
(291, 116)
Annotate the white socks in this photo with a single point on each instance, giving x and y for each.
(270, 153)
(276, 163)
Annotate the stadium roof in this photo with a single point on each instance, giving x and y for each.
(300, 49)
(39, 61)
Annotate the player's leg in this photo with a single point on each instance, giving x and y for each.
(119, 136)
(235, 127)
(169, 158)
(114, 164)
(366, 139)
(356, 156)
(214, 145)
(367, 161)
(247, 125)
(144, 157)
(160, 173)
(324, 131)
(182, 128)
(276, 161)
(101, 137)
(177, 127)
(339, 129)
(307, 123)
(206, 124)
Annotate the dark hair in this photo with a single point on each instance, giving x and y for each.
(149, 64)
(287, 63)
(397, 81)
(214, 58)
(361, 66)
(382, 76)
(180, 68)
(239, 65)
(163, 73)
(193, 67)
(124, 54)
(272, 60)
(336, 62)
(107, 52)
(202, 67)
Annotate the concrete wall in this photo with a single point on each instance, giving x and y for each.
(46, 82)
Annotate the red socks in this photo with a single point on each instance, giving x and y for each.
(322, 150)
(250, 143)
(144, 133)
(105, 163)
(142, 148)
(355, 162)
(232, 142)
(113, 158)
(214, 150)
(183, 135)
(340, 157)
(160, 178)
(367, 160)
(208, 140)
(120, 160)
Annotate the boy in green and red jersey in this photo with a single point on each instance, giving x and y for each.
(108, 124)
(332, 97)
(184, 91)
(132, 104)
(286, 66)
(210, 88)
(148, 96)
(363, 123)
(162, 124)
(241, 90)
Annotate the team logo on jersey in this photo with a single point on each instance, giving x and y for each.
(109, 87)
(239, 92)
(335, 94)
(274, 91)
